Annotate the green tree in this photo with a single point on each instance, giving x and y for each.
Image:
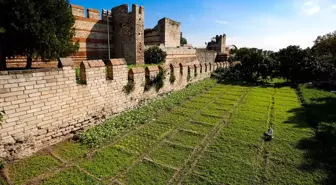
(154, 55)
(324, 52)
(183, 41)
(36, 28)
(291, 61)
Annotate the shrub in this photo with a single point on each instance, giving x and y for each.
(129, 87)
(188, 75)
(172, 78)
(154, 55)
(2, 112)
(157, 81)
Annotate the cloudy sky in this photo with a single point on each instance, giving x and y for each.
(266, 24)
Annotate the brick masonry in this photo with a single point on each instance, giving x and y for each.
(126, 34)
(45, 106)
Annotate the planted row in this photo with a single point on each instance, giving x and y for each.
(128, 120)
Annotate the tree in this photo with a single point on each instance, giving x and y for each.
(324, 52)
(36, 28)
(183, 40)
(155, 55)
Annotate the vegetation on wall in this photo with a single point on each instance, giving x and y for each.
(2, 112)
(41, 29)
(129, 87)
(188, 75)
(172, 78)
(155, 55)
(157, 81)
(183, 41)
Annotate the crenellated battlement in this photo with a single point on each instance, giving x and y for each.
(46, 106)
(126, 30)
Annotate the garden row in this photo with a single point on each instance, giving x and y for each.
(104, 134)
(239, 155)
(205, 134)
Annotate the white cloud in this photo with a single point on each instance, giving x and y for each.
(310, 7)
(273, 31)
(192, 17)
(221, 22)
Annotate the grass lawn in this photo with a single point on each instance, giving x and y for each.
(205, 134)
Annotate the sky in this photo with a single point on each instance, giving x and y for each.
(264, 24)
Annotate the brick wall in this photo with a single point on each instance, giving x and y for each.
(126, 31)
(45, 106)
(91, 33)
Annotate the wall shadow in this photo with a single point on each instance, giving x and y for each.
(320, 115)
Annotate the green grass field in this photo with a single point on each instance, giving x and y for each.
(207, 134)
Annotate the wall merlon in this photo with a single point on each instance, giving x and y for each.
(77, 10)
(93, 14)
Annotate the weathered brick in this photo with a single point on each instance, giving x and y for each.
(39, 86)
(34, 94)
(18, 101)
(12, 119)
(22, 109)
(33, 110)
(38, 74)
(12, 98)
(10, 85)
(10, 107)
(27, 83)
(5, 95)
(13, 89)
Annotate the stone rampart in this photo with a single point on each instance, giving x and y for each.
(45, 106)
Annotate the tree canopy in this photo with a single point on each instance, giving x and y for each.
(183, 40)
(292, 63)
(36, 28)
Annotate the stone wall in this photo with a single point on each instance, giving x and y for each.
(126, 30)
(46, 106)
(128, 35)
(218, 45)
(91, 34)
(205, 56)
(166, 32)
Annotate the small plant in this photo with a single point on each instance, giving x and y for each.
(2, 112)
(157, 81)
(129, 87)
(172, 78)
(188, 76)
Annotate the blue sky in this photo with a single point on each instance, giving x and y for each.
(266, 24)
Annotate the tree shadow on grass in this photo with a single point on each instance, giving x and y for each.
(254, 84)
(320, 115)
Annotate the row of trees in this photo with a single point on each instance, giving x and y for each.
(292, 63)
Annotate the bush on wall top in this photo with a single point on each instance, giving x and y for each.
(155, 55)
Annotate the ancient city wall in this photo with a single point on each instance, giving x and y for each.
(166, 32)
(126, 30)
(91, 34)
(205, 56)
(45, 106)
